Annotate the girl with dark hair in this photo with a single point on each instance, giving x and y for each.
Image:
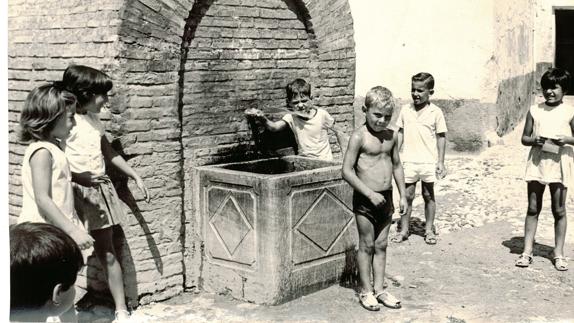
(88, 150)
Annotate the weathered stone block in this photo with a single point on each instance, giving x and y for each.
(274, 229)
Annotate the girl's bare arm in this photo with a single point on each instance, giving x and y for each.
(568, 139)
(41, 167)
(527, 139)
(117, 160)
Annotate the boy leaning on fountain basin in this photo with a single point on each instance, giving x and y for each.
(309, 124)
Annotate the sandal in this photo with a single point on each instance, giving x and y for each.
(121, 316)
(369, 302)
(400, 237)
(524, 260)
(388, 300)
(430, 238)
(561, 263)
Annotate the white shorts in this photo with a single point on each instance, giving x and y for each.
(414, 172)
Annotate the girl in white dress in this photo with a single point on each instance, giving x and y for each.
(88, 150)
(549, 130)
(47, 197)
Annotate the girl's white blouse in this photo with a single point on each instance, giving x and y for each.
(83, 146)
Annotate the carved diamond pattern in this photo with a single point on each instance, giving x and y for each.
(325, 220)
(230, 224)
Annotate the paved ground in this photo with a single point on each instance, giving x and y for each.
(468, 277)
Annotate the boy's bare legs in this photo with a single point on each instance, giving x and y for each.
(406, 218)
(430, 206)
(558, 195)
(105, 251)
(380, 257)
(366, 252)
(535, 193)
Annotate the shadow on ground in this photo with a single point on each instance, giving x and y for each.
(516, 246)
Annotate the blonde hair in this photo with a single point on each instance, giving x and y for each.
(379, 96)
(43, 106)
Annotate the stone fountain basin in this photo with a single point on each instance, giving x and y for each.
(274, 229)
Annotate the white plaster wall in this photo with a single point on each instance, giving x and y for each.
(545, 28)
(513, 39)
(452, 39)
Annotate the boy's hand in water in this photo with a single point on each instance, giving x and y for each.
(256, 113)
(377, 199)
(82, 238)
(403, 205)
(87, 179)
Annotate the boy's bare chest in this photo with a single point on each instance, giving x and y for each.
(374, 146)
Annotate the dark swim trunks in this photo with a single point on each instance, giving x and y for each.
(363, 206)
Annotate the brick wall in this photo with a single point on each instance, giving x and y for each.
(183, 73)
(150, 133)
(239, 57)
(44, 37)
(241, 54)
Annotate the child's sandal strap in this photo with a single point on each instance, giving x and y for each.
(561, 263)
(388, 300)
(368, 301)
(524, 260)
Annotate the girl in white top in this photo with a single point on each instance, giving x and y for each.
(46, 120)
(549, 130)
(96, 199)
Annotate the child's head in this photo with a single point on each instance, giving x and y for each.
(44, 263)
(422, 87)
(555, 83)
(91, 87)
(299, 97)
(48, 113)
(378, 108)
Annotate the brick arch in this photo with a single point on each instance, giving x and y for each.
(235, 56)
(230, 61)
(139, 43)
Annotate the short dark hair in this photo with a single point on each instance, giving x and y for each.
(555, 76)
(85, 82)
(298, 86)
(41, 257)
(427, 78)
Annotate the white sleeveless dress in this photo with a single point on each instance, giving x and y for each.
(62, 193)
(547, 167)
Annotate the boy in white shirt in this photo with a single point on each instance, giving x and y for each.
(309, 124)
(422, 137)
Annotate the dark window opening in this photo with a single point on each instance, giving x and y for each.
(565, 43)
